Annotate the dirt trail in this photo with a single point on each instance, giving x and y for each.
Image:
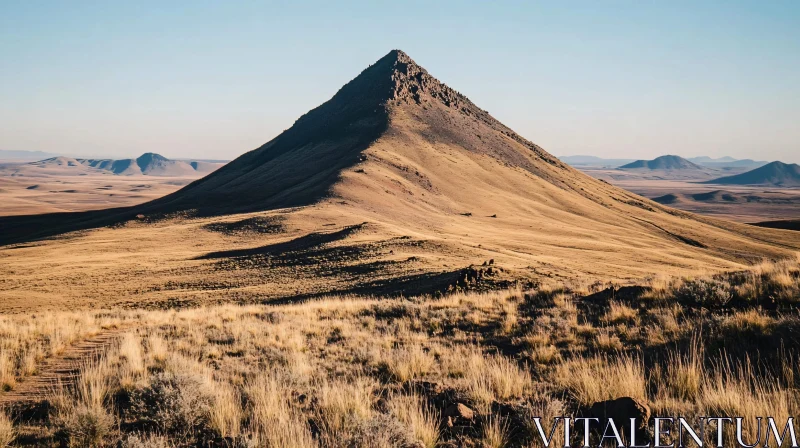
(59, 369)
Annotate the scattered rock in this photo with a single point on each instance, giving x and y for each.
(458, 414)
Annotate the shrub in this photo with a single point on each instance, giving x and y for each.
(707, 293)
(85, 425)
(174, 403)
(378, 432)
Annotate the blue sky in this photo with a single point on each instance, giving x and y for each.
(215, 79)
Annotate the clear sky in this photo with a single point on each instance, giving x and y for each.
(215, 79)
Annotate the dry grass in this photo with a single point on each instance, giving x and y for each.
(620, 313)
(352, 371)
(599, 378)
(419, 416)
(408, 363)
(7, 431)
(495, 433)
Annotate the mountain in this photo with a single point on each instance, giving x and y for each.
(58, 161)
(718, 196)
(776, 174)
(593, 161)
(662, 163)
(148, 164)
(397, 184)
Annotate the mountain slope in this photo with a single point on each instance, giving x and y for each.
(395, 185)
(397, 147)
(663, 163)
(776, 174)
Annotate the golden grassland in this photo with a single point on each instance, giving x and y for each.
(362, 371)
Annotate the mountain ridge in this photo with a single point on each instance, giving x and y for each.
(148, 164)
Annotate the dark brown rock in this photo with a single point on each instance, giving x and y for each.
(621, 410)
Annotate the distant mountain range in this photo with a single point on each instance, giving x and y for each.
(705, 161)
(148, 164)
(663, 163)
(777, 174)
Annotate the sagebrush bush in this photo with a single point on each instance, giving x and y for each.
(704, 292)
(85, 425)
(174, 404)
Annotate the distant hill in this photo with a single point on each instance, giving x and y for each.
(727, 162)
(594, 161)
(662, 163)
(25, 155)
(777, 174)
(148, 164)
(713, 196)
(57, 161)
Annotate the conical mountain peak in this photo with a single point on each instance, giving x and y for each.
(393, 96)
(410, 82)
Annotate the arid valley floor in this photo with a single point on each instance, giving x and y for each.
(398, 269)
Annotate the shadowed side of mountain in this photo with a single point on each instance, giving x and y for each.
(300, 165)
(26, 228)
(118, 166)
(296, 168)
